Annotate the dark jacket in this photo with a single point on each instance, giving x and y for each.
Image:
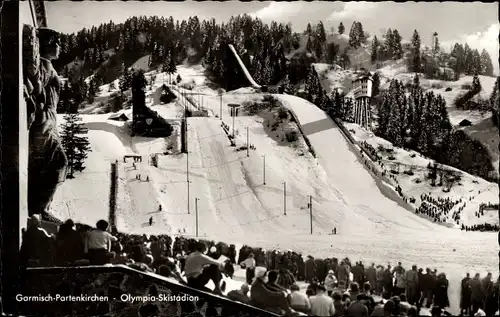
(310, 266)
(69, 246)
(441, 293)
(262, 297)
(238, 296)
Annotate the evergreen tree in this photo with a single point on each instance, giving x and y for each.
(309, 29)
(341, 28)
(495, 102)
(75, 142)
(93, 90)
(321, 33)
(361, 38)
(172, 69)
(353, 36)
(356, 35)
(415, 62)
(416, 81)
(486, 64)
(344, 59)
(476, 62)
(64, 98)
(375, 49)
(332, 51)
(309, 45)
(388, 45)
(125, 79)
(397, 49)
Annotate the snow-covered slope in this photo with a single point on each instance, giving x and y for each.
(235, 206)
(243, 67)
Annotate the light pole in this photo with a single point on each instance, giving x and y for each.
(234, 115)
(187, 168)
(264, 169)
(311, 212)
(187, 179)
(284, 198)
(196, 210)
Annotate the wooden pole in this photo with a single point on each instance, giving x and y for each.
(264, 170)
(196, 210)
(284, 198)
(221, 107)
(234, 115)
(248, 144)
(310, 210)
(187, 171)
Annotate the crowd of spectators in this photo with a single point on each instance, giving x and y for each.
(481, 227)
(335, 287)
(438, 208)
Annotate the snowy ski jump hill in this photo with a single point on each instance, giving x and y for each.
(228, 195)
(243, 67)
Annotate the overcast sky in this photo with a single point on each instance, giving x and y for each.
(475, 23)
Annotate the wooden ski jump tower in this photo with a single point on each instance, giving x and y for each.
(362, 95)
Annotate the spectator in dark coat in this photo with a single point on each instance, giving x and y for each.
(265, 298)
(232, 253)
(427, 285)
(300, 267)
(477, 292)
(240, 295)
(371, 275)
(387, 280)
(38, 246)
(321, 270)
(272, 282)
(465, 296)
(412, 285)
(343, 273)
(69, 244)
(310, 267)
(358, 307)
(491, 303)
(441, 292)
(358, 272)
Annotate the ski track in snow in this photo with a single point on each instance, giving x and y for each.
(235, 207)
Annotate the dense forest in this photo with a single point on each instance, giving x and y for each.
(417, 121)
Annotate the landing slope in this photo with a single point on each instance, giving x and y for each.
(349, 176)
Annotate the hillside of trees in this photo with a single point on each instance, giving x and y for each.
(419, 122)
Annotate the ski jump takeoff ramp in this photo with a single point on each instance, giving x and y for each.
(243, 67)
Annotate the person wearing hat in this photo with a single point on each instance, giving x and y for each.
(310, 269)
(321, 304)
(264, 298)
(330, 282)
(47, 160)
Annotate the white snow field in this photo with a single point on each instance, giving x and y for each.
(236, 207)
